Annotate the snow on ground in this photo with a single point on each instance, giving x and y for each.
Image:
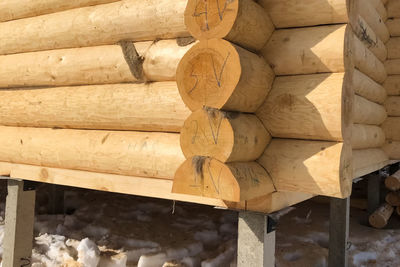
(112, 230)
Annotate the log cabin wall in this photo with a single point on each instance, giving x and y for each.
(392, 84)
(243, 104)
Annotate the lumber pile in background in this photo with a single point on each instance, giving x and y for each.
(255, 105)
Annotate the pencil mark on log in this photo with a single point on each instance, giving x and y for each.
(221, 14)
(218, 78)
(212, 115)
(195, 85)
(133, 59)
(184, 41)
(205, 13)
(196, 130)
(215, 183)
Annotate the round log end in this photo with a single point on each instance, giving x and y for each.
(392, 183)
(210, 19)
(208, 74)
(378, 221)
(225, 136)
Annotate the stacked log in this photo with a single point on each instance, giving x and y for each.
(329, 84)
(224, 81)
(89, 85)
(392, 83)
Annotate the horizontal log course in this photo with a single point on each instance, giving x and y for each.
(133, 20)
(392, 105)
(242, 22)
(142, 107)
(392, 85)
(127, 153)
(367, 112)
(11, 10)
(391, 127)
(146, 61)
(393, 47)
(380, 8)
(381, 216)
(333, 48)
(316, 167)
(235, 181)
(225, 136)
(219, 74)
(392, 149)
(368, 88)
(393, 198)
(367, 136)
(392, 66)
(292, 13)
(366, 161)
(393, 25)
(392, 182)
(393, 9)
(317, 107)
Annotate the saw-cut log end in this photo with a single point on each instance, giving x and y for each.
(235, 182)
(225, 136)
(218, 74)
(243, 22)
(380, 217)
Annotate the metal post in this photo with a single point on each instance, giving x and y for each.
(20, 213)
(339, 232)
(374, 183)
(256, 240)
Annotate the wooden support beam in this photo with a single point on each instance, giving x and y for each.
(55, 203)
(374, 185)
(141, 186)
(339, 232)
(18, 236)
(243, 22)
(256, 240)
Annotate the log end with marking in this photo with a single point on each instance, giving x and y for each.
(226, 136)
(207, 177)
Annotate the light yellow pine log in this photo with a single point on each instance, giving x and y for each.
(392, 105)
(393, 25)
(368, 88)
(317, 107)
(380, 8)
(134, 20)
(393, 47)
(142, 107)
(92, 65)
(321, 168)
(392, 85)
(235, 181)
(393, 198)
(292, 13)
(393, 9)
(243, 22)
(127, 153)
(391, 127)
(221, 75)
(392, 149)
(367, 112)
(366, 161)
(367, 136)
(11, 10)
(225, 136)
